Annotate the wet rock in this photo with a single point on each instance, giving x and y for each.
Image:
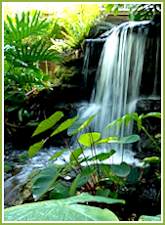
(18, 191)
(148, 105)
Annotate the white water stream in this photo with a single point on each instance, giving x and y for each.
(119, 75)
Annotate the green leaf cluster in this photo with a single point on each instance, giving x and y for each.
(88, 176)
(26, 45)
(75, 26)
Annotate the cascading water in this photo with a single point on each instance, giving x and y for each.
(118, 82)
(119, 75)
(86, 62)
(156, 66)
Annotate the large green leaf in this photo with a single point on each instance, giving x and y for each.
(35, 148)
(102, 156)
(121, 170)
(85, 197)
(89, 139)
(80, 125)
(44, 181)
(127, 118)
(150, 218)
(63, 126)
(129, 139)
(123, 140)
(108, 140)
(63, 210)
(48, 123)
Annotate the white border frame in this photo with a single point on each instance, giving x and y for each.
(162, 135)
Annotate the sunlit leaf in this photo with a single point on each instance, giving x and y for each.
(63, 126)
(88, 139)
(126, 119)
(80, 125)
(108, 7)
(48, 123)
(85, 197)
(102, 156)
(139, 122)
(33, 150)
(123, 140)
(118, 122)
(108, 140)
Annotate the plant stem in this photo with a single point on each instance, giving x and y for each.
(86, 163)
(95, 154)
(150, 137)
(78, 164)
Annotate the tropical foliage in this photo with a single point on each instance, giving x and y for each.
(135, 11)
(24, 43)
(144, 11)
(75, 27)
(25, 46)
(88, 176)
(82, 173)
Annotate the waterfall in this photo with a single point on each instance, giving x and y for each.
(156, 66)
(119, 75)
(86, 62)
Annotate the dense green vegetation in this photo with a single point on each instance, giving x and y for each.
(37, 51)
(95, 177)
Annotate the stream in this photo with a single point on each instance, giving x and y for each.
(14, 184)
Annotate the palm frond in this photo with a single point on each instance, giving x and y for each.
(24, 26)
(28, 55)
(26, 37)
